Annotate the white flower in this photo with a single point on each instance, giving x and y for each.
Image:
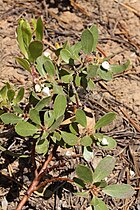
(105, 65)
(46, 91)
(46, 54)
(37, 88)
(104, 142)
(132, 173)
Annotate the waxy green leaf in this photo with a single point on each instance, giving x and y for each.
(84, 173)
(81, 117)
(87, 41)
(121, 191)
(25, 129)
(10, 118)
(60, 104)
(98, 204)
(39, 29)
(24, 63)
(104, 168)
(105, 120)
(34, 116)
(69, 138)
(35, 50)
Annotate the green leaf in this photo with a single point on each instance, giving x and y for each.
(42, 103)
(3, 92)
(39, 29)
(105, 75)
(67, 78)
(10, 95)
(42, 146)
(49, 67)
(119, 68)
(105, 141)
(81, 117)
(88, 154)
(60, 104)
(84, 194)
(56, 124)
(26, 33)
(86, 141)
(25, 129)
(69, 138)
(20, 38)
(84, 173)
(104, 168)
(79, 182)
(19, 96)
(40, 62)
(98, 204)
(34, 116)
(10, 118)
(65, 55)
(105, 120)
(17, 109)
(49, 118)
(91, 85)
(119, 190)
(92, 70)
(76, 48)
(24, 63)
(35, 50)
(87, 41)
(94, 31)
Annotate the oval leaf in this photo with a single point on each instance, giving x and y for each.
(119, 68)
(10, 94)
(10, 118)
(119, 190)
(39, 29)
(42, 103)
(105, 120)
(87, 41)
(104, 168)
(86, 141)
(35, 49)
(98, 204)
(94, 31)
(88, 154)
(49, 67)
(81, 117)
(19, 96)
(42, 146)
(25, 129)
(65, 55)
(84, 194)
(59, 105)
(34, 116)
(69, 138)
(24, 63)
(84, 173)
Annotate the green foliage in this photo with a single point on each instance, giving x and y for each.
(84, 173)
(119, 190)
(60, 117)
(25, 129)
(105, 120)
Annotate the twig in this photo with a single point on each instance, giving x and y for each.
(53, 180)
(36, 180)
(136, 126)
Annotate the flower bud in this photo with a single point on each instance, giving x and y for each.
(37, 88)
(46, 91)
(104, 142)
(105, 65)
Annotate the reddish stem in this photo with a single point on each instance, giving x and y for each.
(36, 181)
